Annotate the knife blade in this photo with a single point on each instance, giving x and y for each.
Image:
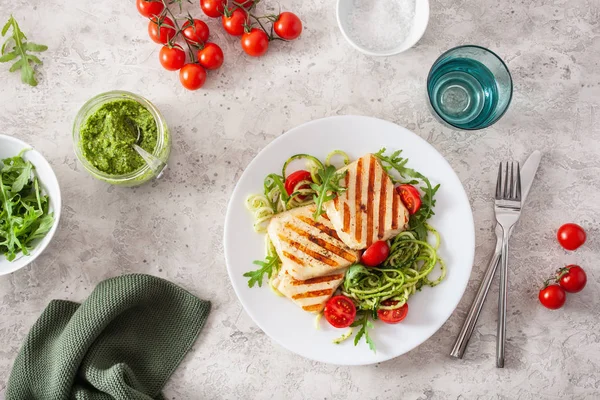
(527, 176)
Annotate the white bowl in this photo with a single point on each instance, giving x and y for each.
(421, 18)
(10, 147)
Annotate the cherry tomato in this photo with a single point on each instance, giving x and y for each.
(375, 254)
(340, 311)
(195, 32)
(294, 179)
(213, 8)
(255, 43)
(149, 8)
(552, 297)
(172, 58)
(410, 197)
(192, 76)
(571, 236)
(572, 278)
(288, 26)
(234, 21)
(166, 31)
(392, 316)
(247, 4)
(211, 56)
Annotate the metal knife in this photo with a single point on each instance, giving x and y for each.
(527, 174)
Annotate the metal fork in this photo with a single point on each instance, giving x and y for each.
(508, 210)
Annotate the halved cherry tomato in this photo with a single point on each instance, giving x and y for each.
(392, 316)
(255, 43)
(234, 21)
(213, 8)
(571, 236)
(294, 179)
(172, 58)
(210, 56)
(192, 76)
(340, 311)
(410, 197)
(552, 297)
(149, 8)
(288, 26)
(196, 32)
(166, 31)
(375, 254)
(572, 278)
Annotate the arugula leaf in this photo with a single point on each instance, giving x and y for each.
(328, 189)
(398, 163)
(16, 47)
(365, 325)
(24, 215)
(270, 265)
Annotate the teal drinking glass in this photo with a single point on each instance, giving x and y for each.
(469, 87)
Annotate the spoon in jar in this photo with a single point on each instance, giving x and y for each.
(157, 165)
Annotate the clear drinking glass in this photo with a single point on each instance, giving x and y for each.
(469, 87)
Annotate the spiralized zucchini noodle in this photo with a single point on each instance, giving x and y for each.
(405, 271)
(275, 198)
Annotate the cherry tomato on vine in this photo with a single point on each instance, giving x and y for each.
(234, 21)
(294, 179)
(572, 278)
(195, 31)
(210, 56)
(163, 34)
(192, 76)
(149, 8)
(392, 316)
(172, 58)
(247, 4)
(255, 43)
(571, 236)
(375, 254)
(340, 311)
(410, 198)
(288, 26)
(213, 8)
(552, 296)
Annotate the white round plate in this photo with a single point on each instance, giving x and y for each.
(294, 328)
(10, 147)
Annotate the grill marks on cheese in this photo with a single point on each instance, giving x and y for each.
(370, 209)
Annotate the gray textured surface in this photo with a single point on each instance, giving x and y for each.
(173, 228)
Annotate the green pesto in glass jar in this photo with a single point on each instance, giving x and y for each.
(107, 136)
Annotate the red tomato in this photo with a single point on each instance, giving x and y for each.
(340, 311)
(375, 254)
(572, 278)
(196, 32)
(234, 21)
(211, 56)
(213, 8)
(172, 58)
(571, 236)
(410, 197)
(392, 316)
(552, 297)
(294, 179)
(247, 4)
(288, 26)
(166, 31)
(149, 8)
(192, 76)
(255, 43)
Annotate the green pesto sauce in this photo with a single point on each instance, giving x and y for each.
(106, 137)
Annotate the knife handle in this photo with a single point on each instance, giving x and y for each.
(471, 321)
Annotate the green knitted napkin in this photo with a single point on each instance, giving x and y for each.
(123, 342)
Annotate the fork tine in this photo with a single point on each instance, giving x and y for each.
(512, 194)
(505, 195)
(499, 183)
(518, 184)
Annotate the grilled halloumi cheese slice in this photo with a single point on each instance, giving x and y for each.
(370, 209)
(310, 294)
(308, 248)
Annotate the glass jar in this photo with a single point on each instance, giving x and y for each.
(163, 141)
